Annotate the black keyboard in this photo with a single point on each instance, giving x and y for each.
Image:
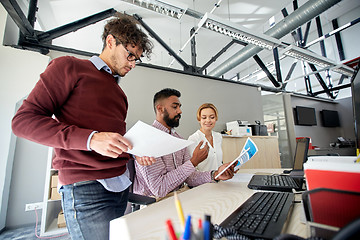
(263, 215)
(278, 180)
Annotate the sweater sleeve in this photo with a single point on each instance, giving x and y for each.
(34, 121)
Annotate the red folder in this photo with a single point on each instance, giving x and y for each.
(333, 208)
(343, 175)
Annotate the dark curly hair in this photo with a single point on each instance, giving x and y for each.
(126, 31)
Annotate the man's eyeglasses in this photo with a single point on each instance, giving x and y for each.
(131, 57)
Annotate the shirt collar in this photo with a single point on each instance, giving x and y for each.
(158, 125)
(100, 64)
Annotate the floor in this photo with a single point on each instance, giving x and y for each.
(27, 233)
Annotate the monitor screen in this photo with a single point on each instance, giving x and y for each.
(305, 116)
(302, 147)
(330, 118)
(355, 88)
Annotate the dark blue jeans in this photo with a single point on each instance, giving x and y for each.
(89, 208)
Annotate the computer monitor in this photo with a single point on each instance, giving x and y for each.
(302, 147)
(355, 87)
(330, 118)
(305, 116)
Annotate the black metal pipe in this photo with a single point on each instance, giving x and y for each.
(15, 12)
(267, 72)
(338, 40)
(320, 33)
(321, 81)
(213, 59)
(193, 48)
(72, 27)
(162, 43)
(306, 34)
(32, 12)
(277, 64)
(334, 89)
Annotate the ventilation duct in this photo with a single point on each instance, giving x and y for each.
(302, 15)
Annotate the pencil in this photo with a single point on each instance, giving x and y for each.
(179, 211)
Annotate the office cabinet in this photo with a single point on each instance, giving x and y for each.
(51, 208)
(268, 155)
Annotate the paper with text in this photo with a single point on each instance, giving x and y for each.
(152, 142)
(248, 151)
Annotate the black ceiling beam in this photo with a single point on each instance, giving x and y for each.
(291, 70)
(32, 12)
(74, 26)
(307, 80)
(334, 88)
(224, 49)
(193, 48)
(321, 81)
(277, 64)
(306, 34)
(266, 70)
(15, 12)
(162, 43)
(44, 48)
(341, 79)
(338, 40)
(320, 33)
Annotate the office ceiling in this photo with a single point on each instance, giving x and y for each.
(252, 14)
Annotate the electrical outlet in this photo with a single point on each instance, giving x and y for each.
(32, 206)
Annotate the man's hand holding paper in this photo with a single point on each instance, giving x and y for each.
(149, 143)
(248, 151)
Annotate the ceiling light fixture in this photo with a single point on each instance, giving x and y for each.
(161, 7)
(311, 57)
(344, 70)
(237, 32)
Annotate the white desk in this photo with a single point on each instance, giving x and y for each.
(216, 199)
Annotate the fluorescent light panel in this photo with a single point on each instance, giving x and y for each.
(238, 32)
(343, 69)
(308, 56)
(311, 57)
(160, 7)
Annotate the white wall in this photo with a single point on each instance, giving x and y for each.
(19, 72)
(233, 101)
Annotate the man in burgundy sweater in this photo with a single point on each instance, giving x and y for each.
(87, 132)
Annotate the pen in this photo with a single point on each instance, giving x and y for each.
(206, 227)
(199, 233)
(187, 231)
(236, 159)
(179, 211)
(170, 230)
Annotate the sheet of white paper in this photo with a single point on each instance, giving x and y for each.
(152, 142)
(241, 177)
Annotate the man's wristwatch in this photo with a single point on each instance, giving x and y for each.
(213, 176)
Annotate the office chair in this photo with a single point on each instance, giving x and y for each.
(136, 200)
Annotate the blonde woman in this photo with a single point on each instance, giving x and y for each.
(207, 115)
